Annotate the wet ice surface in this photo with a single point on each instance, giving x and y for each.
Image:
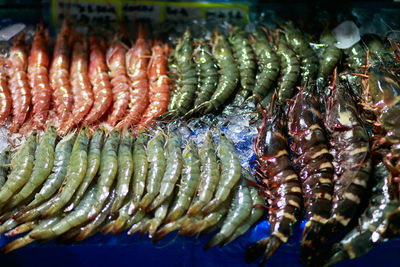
(346, 34)
(8, 32)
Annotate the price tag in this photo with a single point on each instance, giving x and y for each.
(182, 13)
(228, 14)
(134, 11)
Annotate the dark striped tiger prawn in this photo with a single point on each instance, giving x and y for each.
(280, 184)
(310, 146)
(351, 156)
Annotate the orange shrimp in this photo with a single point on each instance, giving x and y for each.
(5, 97)
(80, 83)
(159, 85)
(59, 74)
(137, 59)
(38, 65)
(18, 82)
(100, 81)
(119, 80)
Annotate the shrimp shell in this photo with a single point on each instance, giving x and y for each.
(59, 73)
(98, 75)
(4, 165)
(18, 82)
(5, 95)
(38, 65)
(119, 80)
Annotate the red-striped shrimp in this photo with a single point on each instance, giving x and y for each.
(5, 97)
(137, 60)
(159, 85)
(80, 83)
(18, 82)
(38, 65)
(98, 75)
(59, 74)
(119, 80)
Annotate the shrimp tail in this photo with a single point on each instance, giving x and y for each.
(217, 239)
(175, 214)
(109, 227)
(336, 258)
(266, 246)
(146, 200)
(196, 208)
(166, 229)
(313, 237)
(22, 229)
(18, 243)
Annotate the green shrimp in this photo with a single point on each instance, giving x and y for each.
(157, 163)
(308, 59)
(108, 171)
(75, 173)
(172, 171)
(330, 57)
(268, 65)
(4, 165)
(22, 166)
(290, 69)
(93, 165)
(239, 212)
(208, 74)
(187, 81)
(44, 162)
(209, 175)
(61, 162)
(159, 215)
(356, 57)
(245, 60)
(125, 169)
(230, 173)
(189, 181)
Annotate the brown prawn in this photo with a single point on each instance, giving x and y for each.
(159, 85)
(98, 75)
(80, 83)
(120, 83)
(5, 96)
(18, 82)
(280, 184)
(59, 74)
(137, 60)
(38, 66)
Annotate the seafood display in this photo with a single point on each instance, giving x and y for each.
(138, 133)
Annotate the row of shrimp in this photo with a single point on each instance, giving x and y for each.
(84, 82)
(334, 148)
(156, 181)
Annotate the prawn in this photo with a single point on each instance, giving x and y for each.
(5, 95)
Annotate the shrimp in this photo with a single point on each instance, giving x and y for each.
(245, 59)
(22, 228)
(159, 85)
(18, 82)
(93, 226)
(356, 57)
(125, 169)
(239, 211)
(290, 69)
(140, 169)
(350, 149)
(159, 215)
(280, 184)
(310, 146)
(256, 213)
(44, 162)
(209, 175)
(98, 75)
(308, 59)
(330, 57)
(59, 73)
(137, 60)
(268, 65)
(108, 171)
(157, 163)
(61, 162)
(189, 182)
(75, 218)
(187, 76)
(172, 171)
(4, 165)
(75, 174)
(80, 83)
(38, 66)
(21, 169)
(139, 225)
(93, 165)
(119, 80)
(5, 95)
(208, 74)
(228, 78)
(230, 173)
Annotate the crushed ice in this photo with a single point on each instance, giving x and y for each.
(346, 34)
